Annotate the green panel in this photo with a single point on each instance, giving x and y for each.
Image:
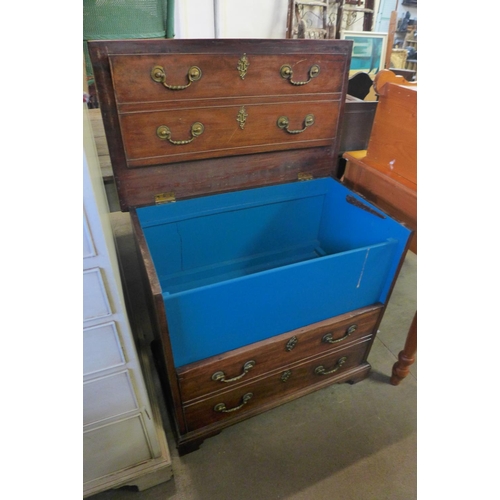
(125, 19)
(120, 19)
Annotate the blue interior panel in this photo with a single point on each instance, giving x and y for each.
(240, 267)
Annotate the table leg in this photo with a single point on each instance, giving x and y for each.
(407, 356)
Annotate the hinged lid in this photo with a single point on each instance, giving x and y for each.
(199, 117)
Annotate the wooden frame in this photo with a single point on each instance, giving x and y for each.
(311, 19)
(368, 51)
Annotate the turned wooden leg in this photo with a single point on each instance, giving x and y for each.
(407, 356)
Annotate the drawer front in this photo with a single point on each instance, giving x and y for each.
(114, 447)
(95, 299)
(241, 365)
(277, 385)
(107, 397)
(200, 132)
(101, 348)
(160, 77)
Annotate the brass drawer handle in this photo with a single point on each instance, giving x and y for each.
(164, 133)
(284, 122)
(221, 376)
(221, 407)
(286, 72)
(320, 370)
(159, 76)
(328, 338)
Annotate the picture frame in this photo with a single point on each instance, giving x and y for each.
(316, 20)
(368, 51)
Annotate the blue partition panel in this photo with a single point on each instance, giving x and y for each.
(240, 267)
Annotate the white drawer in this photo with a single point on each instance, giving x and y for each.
(95, 299)
(101, 348)
(88, 245)
(107, 397)
(114, 447)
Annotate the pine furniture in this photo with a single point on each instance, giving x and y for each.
(386, 173)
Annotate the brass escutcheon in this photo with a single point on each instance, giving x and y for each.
(286, 375)
(242, 117)
(242, 66)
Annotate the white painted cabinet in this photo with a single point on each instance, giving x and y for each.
(123, 438)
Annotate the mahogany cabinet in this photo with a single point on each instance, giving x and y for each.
(267, 277)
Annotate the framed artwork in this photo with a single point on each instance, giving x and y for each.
(311, 20)
(368, 51)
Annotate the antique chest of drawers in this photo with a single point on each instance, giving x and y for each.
(267, 277)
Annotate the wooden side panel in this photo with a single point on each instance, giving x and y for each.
(383, 188)
(390, 192)
(393, 141)
(357, 124)
(159, 323)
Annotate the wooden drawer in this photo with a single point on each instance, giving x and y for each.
(241, 365)
(192, 132)
(277, 385)
(139, 78)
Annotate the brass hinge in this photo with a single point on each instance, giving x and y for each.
(165, 198)
(304, 176)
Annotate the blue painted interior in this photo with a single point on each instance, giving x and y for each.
(239, 267)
